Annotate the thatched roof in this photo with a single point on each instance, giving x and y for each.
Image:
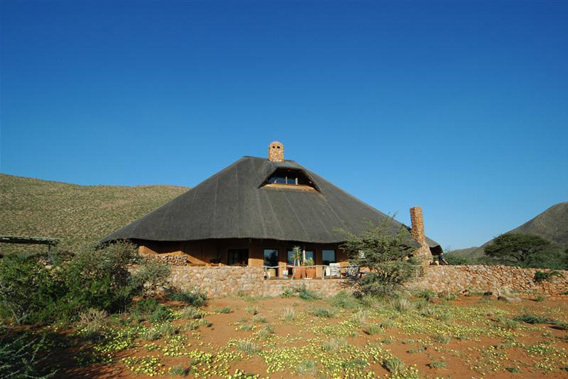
(234, 204)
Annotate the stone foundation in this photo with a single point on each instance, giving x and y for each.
(233, 280)
(460, 279)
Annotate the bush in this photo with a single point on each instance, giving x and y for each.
(388, 258)
(191, 312)
(153, 275)
(146, 307)
(541, 276)
(92, 321)
(322, 312)
(344, 300)
(302, 292)
(455, 260)
(161, 314)
(22, 356)
(194, 297)
(91, 279)
(532, 319)
(28, 291)
(426, 294)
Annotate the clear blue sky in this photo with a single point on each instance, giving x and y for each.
(459, 108)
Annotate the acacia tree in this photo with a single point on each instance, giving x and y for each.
(386, 254)
(517, 249)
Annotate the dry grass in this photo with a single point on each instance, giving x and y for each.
(79, 215)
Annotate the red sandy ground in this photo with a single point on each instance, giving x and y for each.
(223, 328)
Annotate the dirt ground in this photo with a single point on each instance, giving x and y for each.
(466, 337)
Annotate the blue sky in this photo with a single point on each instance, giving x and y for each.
(461, 108)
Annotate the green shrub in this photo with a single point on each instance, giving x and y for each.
(247, 346)
(252, 310)
(194, 297)
(265, 332)
(91, 279)
(152, 275)
(28, 291)
(224, 310)
(439, 364)
(161, 314)
(306, 294)
(177, 371)
(372, 329)
(92, 321)
(302, 292)
(541, 276)
(22, 356)
(393, 365)
(386, 256)
(146, 307)
(191, 313)
(322, 312)
(344, 300)
(560, 325)
(532, 319)
(289, 314)
(426, 294)
(259, 319)
(402, 305)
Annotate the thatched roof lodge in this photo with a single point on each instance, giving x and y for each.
(253, 213)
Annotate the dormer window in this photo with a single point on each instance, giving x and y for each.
(289, 178)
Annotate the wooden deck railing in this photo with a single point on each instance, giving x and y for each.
(310, 272)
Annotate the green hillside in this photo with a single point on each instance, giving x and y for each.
(79, 215)
(552, 225)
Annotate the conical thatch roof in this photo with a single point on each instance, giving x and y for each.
(234, 204)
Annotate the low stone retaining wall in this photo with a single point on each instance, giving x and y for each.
(231, 281)
(326, 286)
(458, 279)
(219, 281)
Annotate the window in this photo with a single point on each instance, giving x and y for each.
(328, 256)
(290, 177)
(309, 254)
(270, 257)
(237, 257)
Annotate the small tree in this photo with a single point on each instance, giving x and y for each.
(517, 249)
(386, 253)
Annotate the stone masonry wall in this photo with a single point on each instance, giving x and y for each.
(232, 280)
(458, 279)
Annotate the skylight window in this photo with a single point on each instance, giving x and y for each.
(289, 178)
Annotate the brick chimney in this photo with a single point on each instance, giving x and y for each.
(417, 220)
(276, 152)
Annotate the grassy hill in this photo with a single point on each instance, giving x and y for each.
(79, 215)
(552, 225)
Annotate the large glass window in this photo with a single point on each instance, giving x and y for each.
(270, 257)
(309, 254)
(328, 256)
(237, 257)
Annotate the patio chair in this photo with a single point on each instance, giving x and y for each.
(353, 271)
(334, 270)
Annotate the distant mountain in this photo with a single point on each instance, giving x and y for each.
(552, 225)
(79, 215)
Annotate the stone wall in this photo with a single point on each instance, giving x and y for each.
(219, 281)
(232, 280)
(460, 279)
